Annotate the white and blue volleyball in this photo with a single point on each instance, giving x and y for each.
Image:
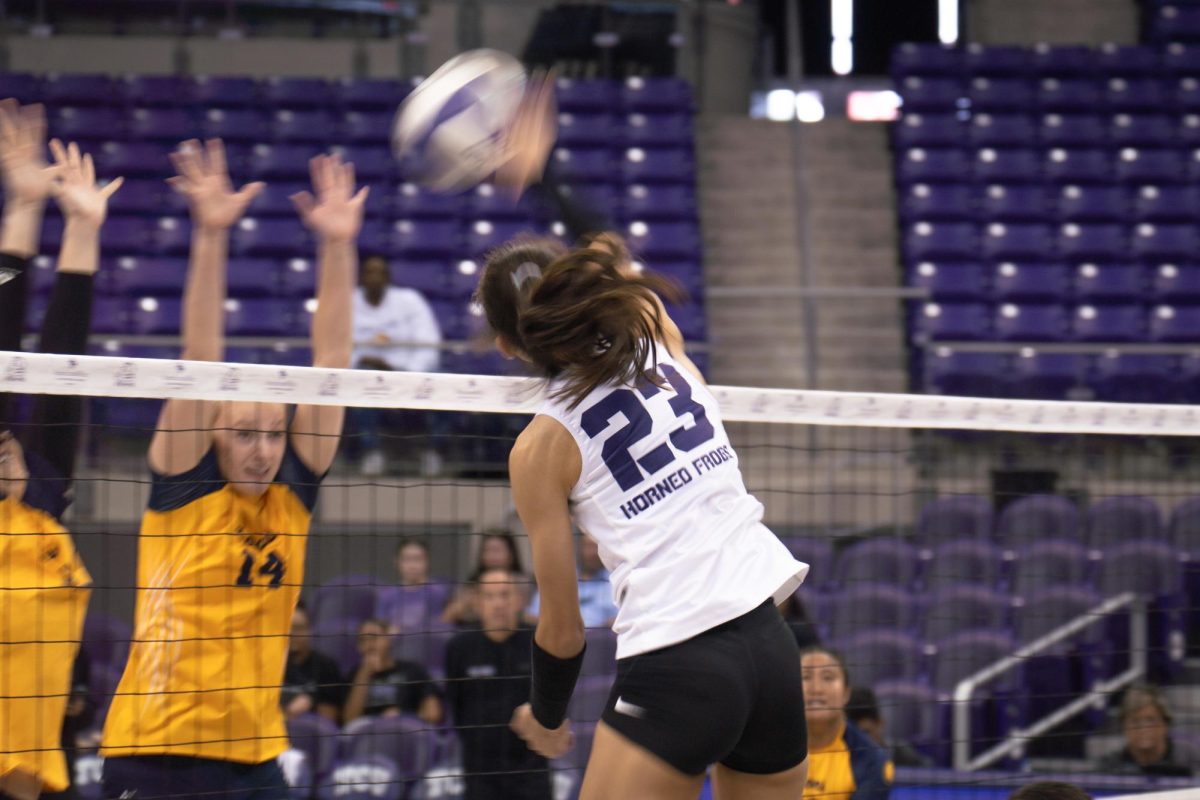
(452, 126)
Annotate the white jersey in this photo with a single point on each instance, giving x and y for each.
(661, 493)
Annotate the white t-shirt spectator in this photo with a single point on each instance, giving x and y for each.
(402, 316)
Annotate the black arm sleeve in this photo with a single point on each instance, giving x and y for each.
(578, 217)
(14, 296)
(55, 429)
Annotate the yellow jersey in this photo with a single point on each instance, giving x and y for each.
(44, 592)
(851, 767)
(219, 575)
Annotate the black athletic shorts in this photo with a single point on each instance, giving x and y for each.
(185, 778)
(731, 695)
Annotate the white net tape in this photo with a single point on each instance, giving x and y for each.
(107, 376)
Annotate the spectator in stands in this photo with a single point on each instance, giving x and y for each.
(1050, 790)
(80, 713)
(394, 329)
(497, 550)
(312, 681)
(1149, 748)
(595, 592)
(863, 710)
(418, 600)
(487, 679)
(384, 686)
(797, 618)
(843, 762)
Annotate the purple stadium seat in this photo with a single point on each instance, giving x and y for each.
(1003, 241)
(929, 130)
(1180, 59)
(427, 237)
(873, 656)
(1014, 203)
(139, 197)
(1108, 282)
(1109, 323)
(926, 241)
(1165, 242)
(316, 737)
(1175, 324)
(910, 712)
(926, 59)
(274, 162)
(687, 274)
(656, 165)
(1048, 376)
(817, 553)
(154, 315)
(169, 125)
(951, 281)
(280, 92)
(972, 561)
(964, 654)
(106, 639)
(298, 278)
(952, 321)
(1007, 166)
(169, 236)
(1041, 610)
(1078, 166)
(1184, 526)
(427, 648)
(933, 165)
(484, 235)
(1003, 130)
(43, 275)
(866, 607)
(932, 94)
(1088, 241)
(1128, 60)
(132, 160)
(412, 201)
(1188, 132)
(1070, 94)
(406, 741)
(582, 130)
(371, 778)
(1176, 283)
(270, 237)
(938, 203)
(371, 163)
(997, 61)
(1166, 204)
(139, 276)
(1133, 377)
(59, 90)
(666, 201)
(1145, 166)
(430, 278)
(952, 609)
(22, 87)
(259, 317)
(1061, 61)
(1031, 282)
(367, 127)
(1038, 517)
(950, 372)
(235, 124)
(590, 698)
(1117, 519)
(484, 202)
(1074, 130)
(342, 602)
(1136, 94)
(586, 95)
(662, 240)
(371, 94)
(308, 125)
(1031, 322)
(668, 94)
(1093, 204)
(80, 123)
(1142, 130)
(1044, 564)
(1001, 94)
(125, 235)
(275, 200)
(1187, 94)
(690, 319)
(658, 130)
(879, 561)
(214, 91)
(157, 90)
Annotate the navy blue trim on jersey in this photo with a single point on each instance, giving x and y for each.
(170, 492)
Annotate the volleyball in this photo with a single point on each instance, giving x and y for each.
(453, 123)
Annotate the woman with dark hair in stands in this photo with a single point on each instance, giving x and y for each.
(44, 586)
(497, 550)
(629, 446)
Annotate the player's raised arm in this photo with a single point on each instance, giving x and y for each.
(184, 426)
(333, 212)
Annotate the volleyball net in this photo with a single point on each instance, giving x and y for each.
(998, 573)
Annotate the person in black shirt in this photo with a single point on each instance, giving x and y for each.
(383, 686)
(487, 678)
(312, 680)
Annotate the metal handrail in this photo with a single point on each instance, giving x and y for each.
(1017, 739)
(1096, 348)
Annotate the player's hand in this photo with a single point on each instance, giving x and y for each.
(335, 213)
(14, 474)
(530, 138)
(543, 741)
(81, 201)
(27, 180)
(204, 180)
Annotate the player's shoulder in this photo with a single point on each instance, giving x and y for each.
(540, 439)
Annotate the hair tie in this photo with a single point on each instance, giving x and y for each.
(524, 272)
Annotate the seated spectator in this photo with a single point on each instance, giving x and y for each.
(797, 618)
(497, 550)
(383, 686)
(418, 600)
(595, 592)
(843, 762)
(1149, 748)
(386, 319)
(312, 681)
(1050, 790)
(863, 711)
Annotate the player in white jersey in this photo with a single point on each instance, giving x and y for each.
(631, 448)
